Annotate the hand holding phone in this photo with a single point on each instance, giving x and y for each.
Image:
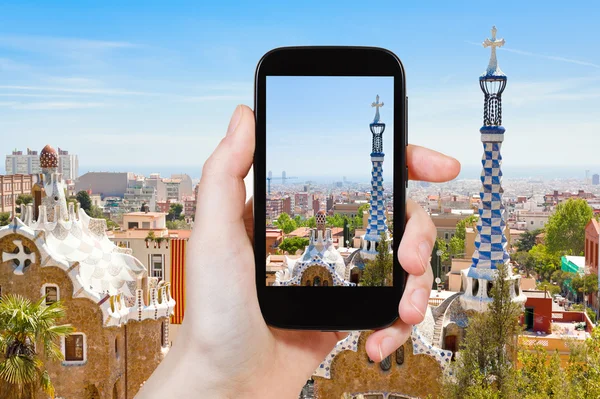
(332, 121)
(224, 347)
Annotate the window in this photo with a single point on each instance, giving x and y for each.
(145, 225)
(74, 348)
(133, 225)
(446, 236)
(51, 292)
(386, 363)
(475, 290)
(400, 356)
(317, 282)
(156, 268)
(164, 334)
(117, 347)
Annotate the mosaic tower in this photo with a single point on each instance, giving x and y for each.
(490, 242)
(377, 220)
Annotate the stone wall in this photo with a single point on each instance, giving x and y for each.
(351, 372)
(102, 375)
(316, 271)
(144, 352)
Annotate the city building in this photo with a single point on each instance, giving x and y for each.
(350, 210)
(189, 207)
(274, 238)
(28, 163)
(11, 186)
(445, 224)
(289, 204)
(160, 251)
(329, 203)
(533, 220)
(591, 251)
(596, 179)
(274, 208)
(548, 325)
(156, 181)
(316, 205)
(302, 200)
(186, 187)
(138, 193)
(107, 184)
(107, 295)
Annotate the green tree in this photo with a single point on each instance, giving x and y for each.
(335, 220)
(586, 284)
(461, 226)
(29, 334)
(4, 218)
(456, 246)
(175, 211)
(527, 240)
(565, 230)
(84, 200)
(311, 222)
(285, 223)
(378, 272)
(525, 262)
(178, 225)
(583, 369)
(545, 263)
(540, 375)
(293, 244)
(23, 199)
(485, 366)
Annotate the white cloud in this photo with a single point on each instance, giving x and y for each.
(48, 106)
(46, 44)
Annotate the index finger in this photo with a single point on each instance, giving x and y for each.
(429, 165)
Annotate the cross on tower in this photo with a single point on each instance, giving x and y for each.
(19, 258)
(493, 43)
(377, 105)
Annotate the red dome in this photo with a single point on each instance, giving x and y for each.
(48, 157)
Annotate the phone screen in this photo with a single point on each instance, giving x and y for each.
(329, 198)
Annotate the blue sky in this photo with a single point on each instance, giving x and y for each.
(319, 126)
(152, 86)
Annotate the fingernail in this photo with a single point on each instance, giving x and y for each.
(235, 120)
(424, 255)
(380, 354)
(418, 298)
(387, 346)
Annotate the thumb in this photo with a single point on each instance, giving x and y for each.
(222, 193)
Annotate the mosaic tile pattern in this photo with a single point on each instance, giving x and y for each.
(490, 242)
(422, 347)
(350, 343)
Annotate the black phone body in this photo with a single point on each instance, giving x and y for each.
(336, 296)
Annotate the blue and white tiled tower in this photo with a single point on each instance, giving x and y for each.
(377, 223)
(490, 242)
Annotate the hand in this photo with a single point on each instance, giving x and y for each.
(224, 348)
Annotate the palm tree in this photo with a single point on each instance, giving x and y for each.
(28, 330)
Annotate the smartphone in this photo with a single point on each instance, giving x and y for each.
(330, 182)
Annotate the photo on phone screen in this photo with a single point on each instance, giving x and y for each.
(329, 198)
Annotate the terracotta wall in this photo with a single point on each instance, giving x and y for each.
(351, 372)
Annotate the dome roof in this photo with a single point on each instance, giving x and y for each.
(48, 157)
(321, 212)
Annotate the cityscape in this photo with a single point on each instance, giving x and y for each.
(96, 225)
(308, 224)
